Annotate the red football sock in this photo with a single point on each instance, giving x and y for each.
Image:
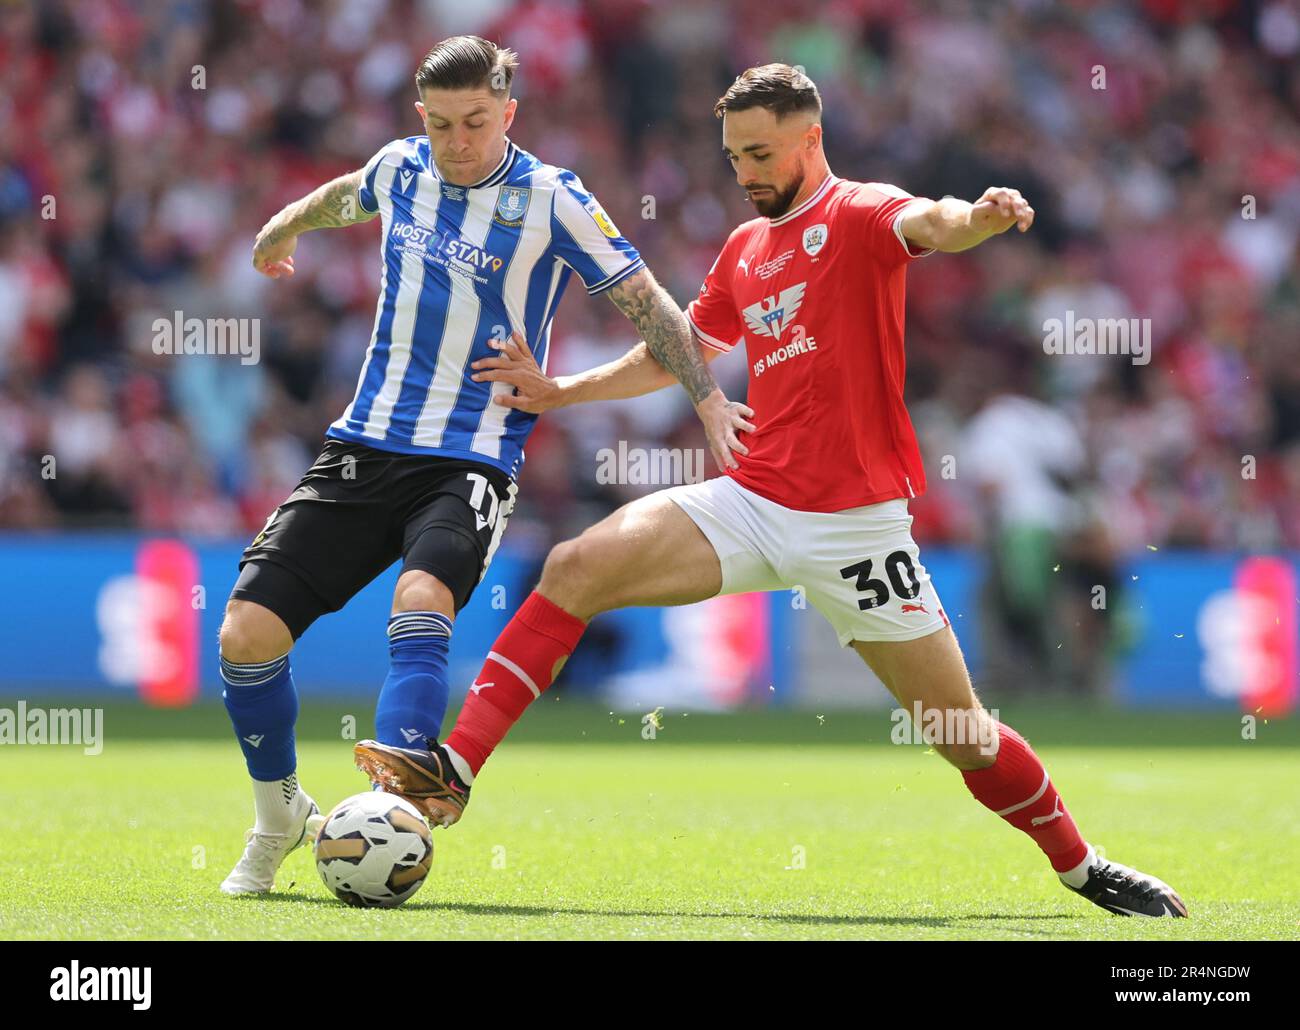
(1017, 787)
(523, 662)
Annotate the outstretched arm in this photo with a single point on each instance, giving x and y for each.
(665, 333)
(333, 205)
(669, 350)
(668, 339)
(631, 375)
(951, 225)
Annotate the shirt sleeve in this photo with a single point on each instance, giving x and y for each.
(712, 315)
(587, 240)
(882, 208)
(366, 194)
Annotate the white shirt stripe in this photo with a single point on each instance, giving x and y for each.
(385, 222)
(458, 330)
(406, 306)
(533, 243)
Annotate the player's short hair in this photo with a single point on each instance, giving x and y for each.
(468, 62)
(779, 88)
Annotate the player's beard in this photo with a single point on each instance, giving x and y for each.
(779, 202)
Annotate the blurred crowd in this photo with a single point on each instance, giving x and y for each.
(142, 145)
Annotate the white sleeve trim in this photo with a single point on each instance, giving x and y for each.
(616, 278)
(898, 231)
(707, 340)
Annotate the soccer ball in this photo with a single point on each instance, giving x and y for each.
(374, 850)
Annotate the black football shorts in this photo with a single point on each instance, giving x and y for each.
(356, 511)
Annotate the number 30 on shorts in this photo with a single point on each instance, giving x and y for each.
(898, 569)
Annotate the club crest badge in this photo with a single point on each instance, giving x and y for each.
(512, 205)
(814, 238)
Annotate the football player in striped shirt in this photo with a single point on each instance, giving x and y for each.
(479, 240)
(814, 288)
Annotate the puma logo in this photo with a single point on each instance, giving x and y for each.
(742, 263)
(1039, 820)
(476, 687)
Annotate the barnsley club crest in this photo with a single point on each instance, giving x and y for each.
(814, 238)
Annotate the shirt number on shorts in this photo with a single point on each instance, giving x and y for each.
(481, 492)
(902, 577)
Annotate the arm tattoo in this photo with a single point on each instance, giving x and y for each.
(665, 332)
(333, 205)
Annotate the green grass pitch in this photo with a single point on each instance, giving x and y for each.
(750, 825)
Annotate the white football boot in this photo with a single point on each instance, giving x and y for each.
(255, 872)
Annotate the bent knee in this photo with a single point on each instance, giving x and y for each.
(570, 562)
(252, 633)
(419, 591)
(576, 573)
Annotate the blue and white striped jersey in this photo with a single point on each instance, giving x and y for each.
(462, 265)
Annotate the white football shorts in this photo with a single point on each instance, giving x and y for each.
(859, 567)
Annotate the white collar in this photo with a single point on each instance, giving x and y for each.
(817, 195)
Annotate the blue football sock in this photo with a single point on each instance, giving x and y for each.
(263, 705)
(413, 700)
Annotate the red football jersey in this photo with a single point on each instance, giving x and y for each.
(817, 296)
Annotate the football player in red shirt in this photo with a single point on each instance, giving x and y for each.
(818, 498)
